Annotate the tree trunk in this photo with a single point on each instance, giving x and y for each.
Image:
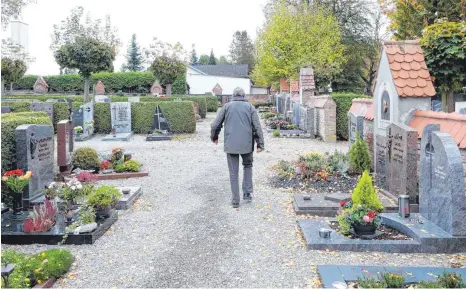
(11, 88)
(448, 101)
(86, 89)
(168, 89)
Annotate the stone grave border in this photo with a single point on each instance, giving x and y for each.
(427, 237)
(119, 176)
(50, 238)
(335, 273)
(128, 200)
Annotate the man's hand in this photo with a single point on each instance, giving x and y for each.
(259, 150)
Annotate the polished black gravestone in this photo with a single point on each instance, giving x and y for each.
(160, 128)
(12, 232)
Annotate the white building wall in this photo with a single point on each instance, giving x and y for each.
(200, 84)
(259, 90)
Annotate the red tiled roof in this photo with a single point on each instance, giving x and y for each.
(409, 70)
(452, 123)
(360, 106)
(294, 86)
(284, 85)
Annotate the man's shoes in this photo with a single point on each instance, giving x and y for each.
(235, 205)
(247, 197)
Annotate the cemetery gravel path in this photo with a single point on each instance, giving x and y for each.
(184, 233)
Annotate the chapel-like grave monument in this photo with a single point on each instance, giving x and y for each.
(121, 122)
(160, 129)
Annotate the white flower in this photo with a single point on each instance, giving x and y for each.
(52, 185)
(79, 186)
(73, 188)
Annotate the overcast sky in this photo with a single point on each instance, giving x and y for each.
(206, 23)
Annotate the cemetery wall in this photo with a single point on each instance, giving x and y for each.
(253, 98)
(343, 102)
(10, 122)
(325, 119)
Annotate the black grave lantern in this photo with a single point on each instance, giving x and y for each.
(403, 206)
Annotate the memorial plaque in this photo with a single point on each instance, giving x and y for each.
(381, 160)
(121, 116)
(41, 106)
(442, 189)
(35, 153)
(403, 161)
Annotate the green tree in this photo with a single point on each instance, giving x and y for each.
(242, 49)
(88, 56)
(204, 59)
(75, 33)
(212, 59)
(12, 70)
(409, 17)
(194, 59)
(223, 60)
(134, 56)
(444, 46)
(167, 69)
(160, 48)
(294, 38)
(364, 194)
(12, 9)
(359, 156)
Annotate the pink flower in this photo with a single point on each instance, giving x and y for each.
(367, 219)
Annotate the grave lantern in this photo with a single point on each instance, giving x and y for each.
(403, 206)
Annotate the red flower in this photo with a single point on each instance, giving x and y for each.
(371, 214)
(343, 203)
(17, 172)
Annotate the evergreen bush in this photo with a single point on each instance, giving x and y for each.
(344, 101)
(86, 159)
(364, 194)
(359, 156)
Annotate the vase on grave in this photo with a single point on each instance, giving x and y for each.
(364, 229)
(17, 204)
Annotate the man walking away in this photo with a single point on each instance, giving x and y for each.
(242, 128)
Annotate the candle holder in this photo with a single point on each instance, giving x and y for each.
(403, 206)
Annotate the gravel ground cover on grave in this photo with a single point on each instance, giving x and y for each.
(182, 231)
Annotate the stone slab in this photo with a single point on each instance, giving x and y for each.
(118, 137)
(121, 116)
(83, 137)
(158, 137)
(128, 199)
(119, 176)
(336, 273)
(337, 197)
(6, 109)
(426, 237)
(12, 234)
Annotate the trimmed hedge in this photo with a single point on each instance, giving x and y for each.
(113, 81)
(212, 103)
(179, 114)
(10, 122)
(18, 106)
(102, 118)
(344, 101)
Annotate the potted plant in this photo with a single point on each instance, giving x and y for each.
(53, 190)
(362, 212)
(117, 155)
(41, 218)
(16, 181)
(78, 130)
(104, 199)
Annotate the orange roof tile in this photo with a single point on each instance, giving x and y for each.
(284, 85)
(294, 86)
(409, 70)
(452, 123)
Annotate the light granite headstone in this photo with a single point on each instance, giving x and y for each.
(42, 106)
(35, 153)
(100, 98)
(121, 116)
(133, 99)
(355, 127)
(279, 103)
(296, 113)
(442, 187)
(402, 179)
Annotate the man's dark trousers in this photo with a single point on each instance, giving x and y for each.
(233, 166)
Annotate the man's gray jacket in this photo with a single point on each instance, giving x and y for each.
(242, 127)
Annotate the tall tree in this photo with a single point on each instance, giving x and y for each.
(242, 49)
(294, 38)
(194, 60)
(409, 17)
(134, 56)
(212, 59)
(12, 70)
(445, 51)
(85, 44)
(160, 48)
(12, 9)
(88, 56)
(204, 59)
(167, 69)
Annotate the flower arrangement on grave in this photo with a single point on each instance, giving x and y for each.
(103, 199)
(78, 129)
(128, 166)
(362, 212)
(42, 218)
(117, 155)
(86, 177)
(105, 165)
(53, 190)
(16, 181)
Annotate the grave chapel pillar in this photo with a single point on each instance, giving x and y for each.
(307, 86)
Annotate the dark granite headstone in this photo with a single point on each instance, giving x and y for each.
(279, 104)
(121, 116)
(442, 188)
(64, 150)
(42, 106)
(296, 113)
(6, 109)
(35, 153)
(402, 165)
(160, 122)
(381, 160)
